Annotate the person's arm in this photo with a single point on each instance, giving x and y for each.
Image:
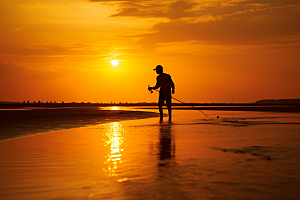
(156, 86)
(172, 85)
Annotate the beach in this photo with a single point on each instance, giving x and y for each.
(240, 155)
(18, 120)
(29, 120)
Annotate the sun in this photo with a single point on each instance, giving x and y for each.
(115, 62)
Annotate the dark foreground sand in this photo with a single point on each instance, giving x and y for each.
(19, 123)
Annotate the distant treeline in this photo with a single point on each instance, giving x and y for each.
(62, 103)
(279, 101)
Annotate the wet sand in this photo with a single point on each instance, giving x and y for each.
(18, 123)
(241, 155)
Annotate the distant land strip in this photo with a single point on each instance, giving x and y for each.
(268, 105)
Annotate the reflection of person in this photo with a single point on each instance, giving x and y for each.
(165, 83)
(166, 146)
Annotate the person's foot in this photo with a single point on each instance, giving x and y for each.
(161, 119)
(170, 120)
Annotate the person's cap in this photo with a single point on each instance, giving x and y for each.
(158, 67)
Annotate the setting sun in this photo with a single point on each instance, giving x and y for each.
(115, 62)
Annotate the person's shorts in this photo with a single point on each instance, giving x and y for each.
(164, 97)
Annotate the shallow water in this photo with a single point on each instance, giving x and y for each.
(241, 155)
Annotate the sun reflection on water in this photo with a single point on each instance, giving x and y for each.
(114, 108)
(115, 139)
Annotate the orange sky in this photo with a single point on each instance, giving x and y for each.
(215, 51)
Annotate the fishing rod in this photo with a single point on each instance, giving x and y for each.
(185, 104)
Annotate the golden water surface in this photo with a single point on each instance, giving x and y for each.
(241, 155)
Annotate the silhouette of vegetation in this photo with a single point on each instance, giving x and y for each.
(281, 105)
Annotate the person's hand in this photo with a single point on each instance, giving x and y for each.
(173, 91)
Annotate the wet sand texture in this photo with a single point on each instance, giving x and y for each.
(240, 156)
(18, 123)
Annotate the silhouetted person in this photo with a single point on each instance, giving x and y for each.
(165, 83)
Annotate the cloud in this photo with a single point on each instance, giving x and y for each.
(179, 9)
(109, 0)
(176, 10)
(225, 23)
(251, 26)
(229, 7)
(189, 9)
(12, 69)
(64, 53)
(47, 49)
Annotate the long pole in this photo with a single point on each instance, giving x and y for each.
(191, 106)
(188, 105)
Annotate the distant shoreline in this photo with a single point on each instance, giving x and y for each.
(175, 102)
(176, 106)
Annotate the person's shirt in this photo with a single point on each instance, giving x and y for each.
(165, 83)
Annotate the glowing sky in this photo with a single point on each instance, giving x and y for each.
(215, 51)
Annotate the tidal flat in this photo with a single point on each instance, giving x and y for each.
(240, 155)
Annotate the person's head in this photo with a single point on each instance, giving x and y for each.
(159, 69)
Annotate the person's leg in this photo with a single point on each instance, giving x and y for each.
(160, 104)
(161, 114)
(170, 113)
(168, 102)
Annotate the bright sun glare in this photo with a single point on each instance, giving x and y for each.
(114, 108)
(114, 62)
